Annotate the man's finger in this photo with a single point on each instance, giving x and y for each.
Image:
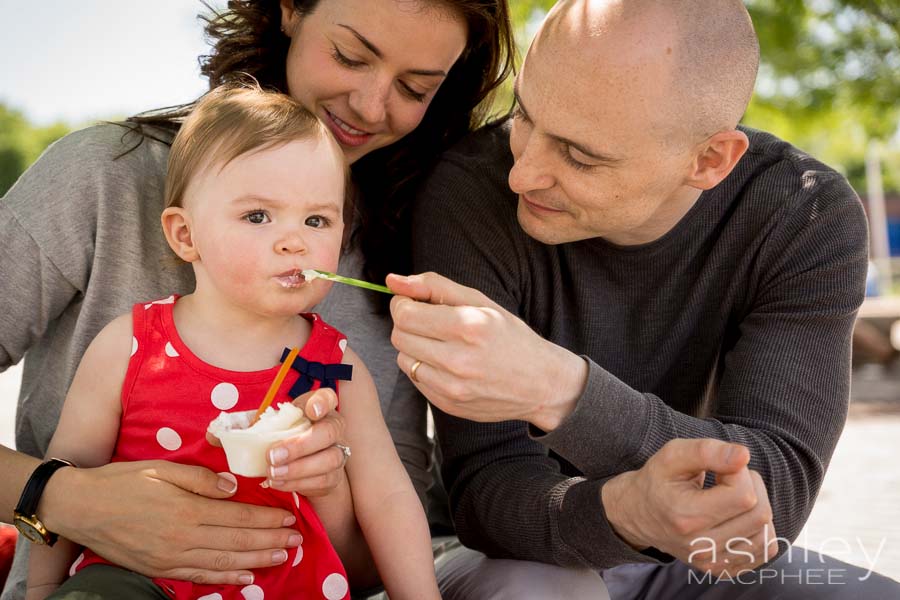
(684, 458)
(436, 289)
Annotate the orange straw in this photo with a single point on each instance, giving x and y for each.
(276, 383)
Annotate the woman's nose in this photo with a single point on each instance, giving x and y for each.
(370, 102)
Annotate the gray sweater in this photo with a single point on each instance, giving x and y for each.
(735, 325)
(82, 242)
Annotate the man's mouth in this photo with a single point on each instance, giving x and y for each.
(539, 208)
(344, 132)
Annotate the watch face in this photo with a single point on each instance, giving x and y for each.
(29, 531)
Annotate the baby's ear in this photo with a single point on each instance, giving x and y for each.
(178, 229)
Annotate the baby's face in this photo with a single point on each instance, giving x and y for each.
(264, 217)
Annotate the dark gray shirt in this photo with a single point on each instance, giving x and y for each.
(735, 325)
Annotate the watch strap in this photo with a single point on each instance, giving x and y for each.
(34, 488)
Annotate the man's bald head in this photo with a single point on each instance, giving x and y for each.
(693, 61)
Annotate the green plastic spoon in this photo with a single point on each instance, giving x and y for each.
(311, 274)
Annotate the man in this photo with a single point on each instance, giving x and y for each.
(658, 366)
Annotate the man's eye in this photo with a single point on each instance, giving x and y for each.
(317, 221)
(257, 217)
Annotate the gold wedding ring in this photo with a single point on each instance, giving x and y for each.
(413, 369)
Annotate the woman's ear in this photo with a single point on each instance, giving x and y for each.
(178, 229)
(716, 158)
(289, 17)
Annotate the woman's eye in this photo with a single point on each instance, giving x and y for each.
(344, 60)
(317, 221)
(417, 96)
(257, 217)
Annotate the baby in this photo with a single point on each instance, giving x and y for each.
(255, 194)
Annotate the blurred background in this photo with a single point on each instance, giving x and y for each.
(829, 83)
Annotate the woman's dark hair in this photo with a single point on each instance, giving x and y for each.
(247, 40)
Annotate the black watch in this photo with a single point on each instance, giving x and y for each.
(25, 519)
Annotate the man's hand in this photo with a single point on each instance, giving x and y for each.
(163, 519)
(724, 529)
(479, 361)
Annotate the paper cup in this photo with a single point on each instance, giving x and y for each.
(245, 448)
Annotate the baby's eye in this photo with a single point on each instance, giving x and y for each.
(257, 217)
(317, 221)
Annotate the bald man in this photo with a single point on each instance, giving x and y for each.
(639, 350)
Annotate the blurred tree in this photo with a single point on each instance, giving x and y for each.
(21, 144)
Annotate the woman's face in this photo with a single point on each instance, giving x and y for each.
(370, 68)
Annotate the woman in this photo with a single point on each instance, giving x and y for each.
(396, 82)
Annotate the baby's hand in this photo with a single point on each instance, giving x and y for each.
(311, 463)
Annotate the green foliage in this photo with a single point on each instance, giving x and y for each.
(21, 143)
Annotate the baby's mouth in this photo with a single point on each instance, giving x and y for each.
(291, 279)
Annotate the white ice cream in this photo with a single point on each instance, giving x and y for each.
(245, 447)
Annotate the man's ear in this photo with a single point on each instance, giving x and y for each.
(178, 229)
(716, 157)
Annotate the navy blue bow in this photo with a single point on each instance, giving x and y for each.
(311, 371)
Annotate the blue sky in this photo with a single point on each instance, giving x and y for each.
(83, 60)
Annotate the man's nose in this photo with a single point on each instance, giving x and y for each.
(529, 171)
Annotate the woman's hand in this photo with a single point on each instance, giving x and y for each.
(311, 463)
(163, 519)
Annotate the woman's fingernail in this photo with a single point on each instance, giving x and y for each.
(295, 540)
(288, 521)
(227, 483)
(278, 471)
(279, 556)
(277, 455)
(245, 579)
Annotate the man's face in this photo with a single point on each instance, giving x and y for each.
(594, 153)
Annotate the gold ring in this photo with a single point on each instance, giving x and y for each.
(413, 369)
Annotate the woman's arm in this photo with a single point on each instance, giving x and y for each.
(386, 505)
(86, 435)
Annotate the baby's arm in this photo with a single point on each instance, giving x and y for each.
(86, 435)
(387, 507)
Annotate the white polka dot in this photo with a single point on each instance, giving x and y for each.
(298, 557)
(343, 345)
(253, 592)
(168, 438)
(296, 499)
(224, 396)
(170, 350)
(335, 587)
(134, 345)
(215, 596)
(78, 562)
(230, 477)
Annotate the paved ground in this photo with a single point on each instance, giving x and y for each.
(857, 516)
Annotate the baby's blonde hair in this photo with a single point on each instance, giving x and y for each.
(231, 121)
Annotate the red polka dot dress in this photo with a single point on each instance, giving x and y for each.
(168, 399)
